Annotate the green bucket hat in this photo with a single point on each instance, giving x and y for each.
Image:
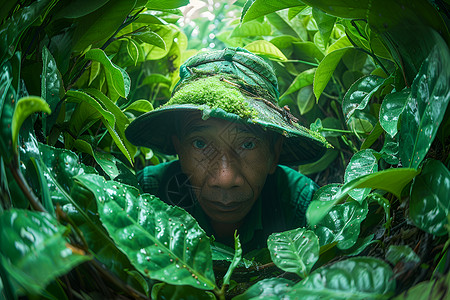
(231, 84)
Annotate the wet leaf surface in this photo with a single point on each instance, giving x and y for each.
(354, 278)
(33, 249)
(430, 201)
(342, 224)
(294, 251)
(162, 241)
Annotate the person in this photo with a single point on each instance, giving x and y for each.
(234, 146)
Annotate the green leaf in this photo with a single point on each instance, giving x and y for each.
(133, 51)
(168, 4)
(429, 204)
(142, 106)
(262, 47)
(236, 259)
(303, 79)
(390, 180)
(271, 287)
(252, 28)
(359, 94)
(162, 241)
(373, 136)
(116, 77)
(151, 38)
(82, 97)
(294, 251)
(354, 278)
(362, 163)
(122, 122)
(106, 162)
(305, 99)
(33, 249)
(51, 86)
(325, 23)
(391, 109)
(95, 28)
(389, 152)
(404, 254)
(325, 70)
(24, 108)
(320, 165)
(261, 8)
(425, 107)
(168, 33)
(342, 224)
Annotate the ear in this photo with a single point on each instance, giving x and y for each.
(276, 154)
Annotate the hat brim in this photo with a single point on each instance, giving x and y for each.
(155, 128)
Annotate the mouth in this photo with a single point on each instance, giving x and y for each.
(226, 207)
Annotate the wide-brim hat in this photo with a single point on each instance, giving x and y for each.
(235, 85)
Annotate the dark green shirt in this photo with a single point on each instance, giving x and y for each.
(281, 206)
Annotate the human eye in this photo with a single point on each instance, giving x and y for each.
(199, 144)
(248, 145)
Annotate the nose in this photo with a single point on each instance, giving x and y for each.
(225, 173)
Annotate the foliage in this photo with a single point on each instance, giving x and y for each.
(372, 77)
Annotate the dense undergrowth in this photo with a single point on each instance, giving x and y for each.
(373, 77)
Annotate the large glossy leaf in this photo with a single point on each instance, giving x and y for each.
(116, 77)
(354, 278)
(391, 180)
(263, 47)
(430, 202)
(267, 289)
(24, 108)
(162, 241)
(391, 109)
(342, 224)
(261, 8)
(151, 38)
(359, 94)
(326, 68)
(426, 106)
(362, 163)
(34, 251)
(294, 251)
(341, 8)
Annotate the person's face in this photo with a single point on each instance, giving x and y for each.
(227, 165)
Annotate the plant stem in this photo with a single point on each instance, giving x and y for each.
(341, 130)
(26, 189)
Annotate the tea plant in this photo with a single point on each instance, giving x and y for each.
(373, 77)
